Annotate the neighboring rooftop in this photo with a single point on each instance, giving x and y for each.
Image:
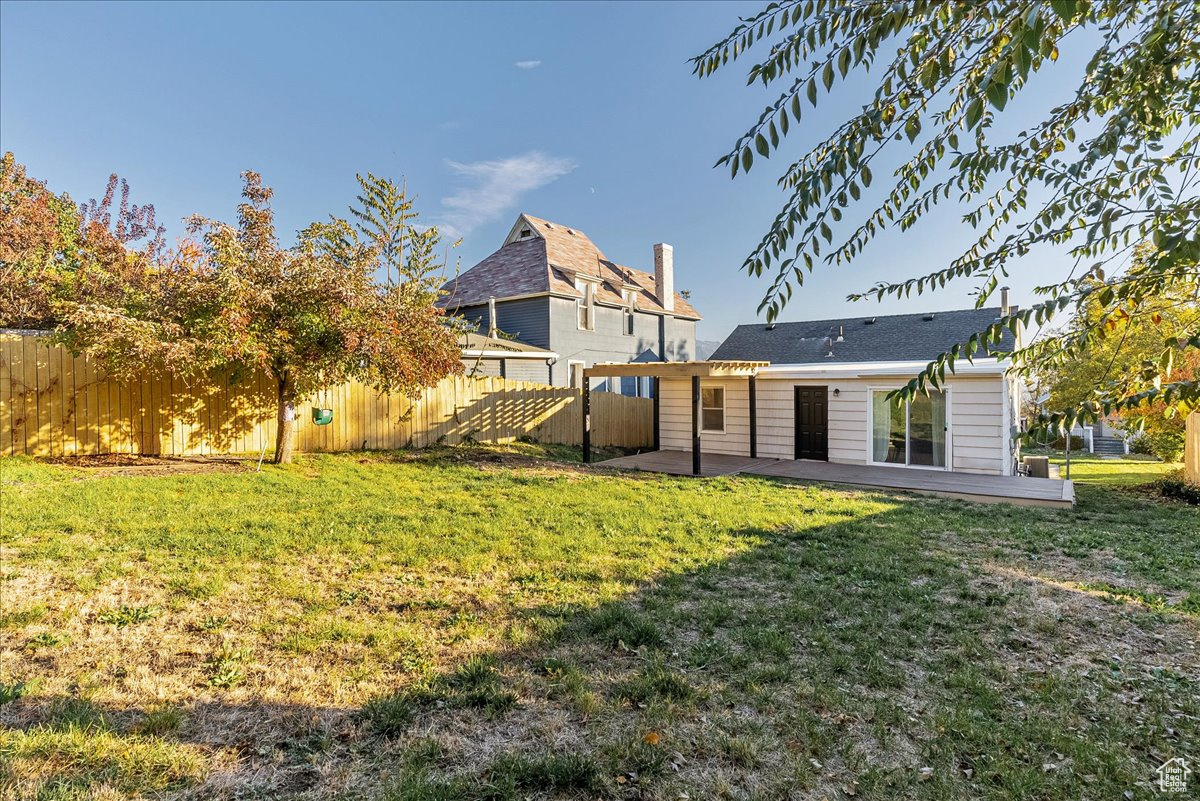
(541, 257)
(890, 338)
(471, 342)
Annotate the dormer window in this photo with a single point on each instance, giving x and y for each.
(585, 306)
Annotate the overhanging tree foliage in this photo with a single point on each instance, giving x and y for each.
(1113, 167)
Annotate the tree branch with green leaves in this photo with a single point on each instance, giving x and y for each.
(1111, 168)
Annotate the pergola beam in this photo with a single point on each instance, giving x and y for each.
(706, 369)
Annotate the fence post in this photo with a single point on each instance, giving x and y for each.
(587, 420)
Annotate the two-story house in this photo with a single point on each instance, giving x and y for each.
(549, 286)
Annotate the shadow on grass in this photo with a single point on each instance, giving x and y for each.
(862, 658)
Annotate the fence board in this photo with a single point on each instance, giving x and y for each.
(1191, 447)
(53, 404)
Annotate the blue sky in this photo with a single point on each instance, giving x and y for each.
(586, 114)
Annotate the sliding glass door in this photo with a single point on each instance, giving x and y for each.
(911, 433)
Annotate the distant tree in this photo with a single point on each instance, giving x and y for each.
(234, 300)
(1115, 165)
(39, 238)
(381, 230)
(1119, 349)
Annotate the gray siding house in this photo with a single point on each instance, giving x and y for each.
(550, 287)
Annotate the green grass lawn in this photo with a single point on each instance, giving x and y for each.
(1096, 470)
(481, 623)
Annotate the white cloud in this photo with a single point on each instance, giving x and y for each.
(528, 65)
(495, 187)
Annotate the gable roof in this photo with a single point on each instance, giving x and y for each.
(890, 338)
(546, 263)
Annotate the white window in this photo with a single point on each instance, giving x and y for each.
(586, 304)
(575, 374)
(627, 323)
(712, 409)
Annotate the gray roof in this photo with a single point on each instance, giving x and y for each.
(891, 338)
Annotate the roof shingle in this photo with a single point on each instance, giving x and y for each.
(897, 337)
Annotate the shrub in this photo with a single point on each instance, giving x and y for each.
(1166, 445)
(1176, 485)
(1140, 444)
(1060, 444)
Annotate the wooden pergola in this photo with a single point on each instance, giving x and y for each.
(659, 370)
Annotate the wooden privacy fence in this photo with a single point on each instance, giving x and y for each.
(1191, 447)
(54, 404)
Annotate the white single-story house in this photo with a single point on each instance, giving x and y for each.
(822, 395)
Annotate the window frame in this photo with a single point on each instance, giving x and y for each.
(585, 305)
(722, 408)
(947, 392)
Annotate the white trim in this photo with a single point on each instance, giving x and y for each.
(988, 366)
(724, 409)
(510, 354)
(948, 467)
(586, 302)
(451, 305)
(515, 230)
(571, 374)
(1006, 439)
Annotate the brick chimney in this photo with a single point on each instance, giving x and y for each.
(664, 275)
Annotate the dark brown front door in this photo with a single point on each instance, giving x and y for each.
(812, 423)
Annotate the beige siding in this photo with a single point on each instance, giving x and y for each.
(676, 425)
(977, 422)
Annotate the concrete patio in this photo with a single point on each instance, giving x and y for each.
(1020, 491)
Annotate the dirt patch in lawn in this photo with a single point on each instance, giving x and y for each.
(124, 464)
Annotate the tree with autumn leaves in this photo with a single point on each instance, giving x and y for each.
(1121, 352)
(230, 299)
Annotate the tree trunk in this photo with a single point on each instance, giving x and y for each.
(285, 434)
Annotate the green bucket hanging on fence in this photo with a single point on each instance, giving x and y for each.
(322, 417)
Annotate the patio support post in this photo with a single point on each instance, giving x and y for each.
(587, 420)
(695, 425)
(753, 420)
(657, 432)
